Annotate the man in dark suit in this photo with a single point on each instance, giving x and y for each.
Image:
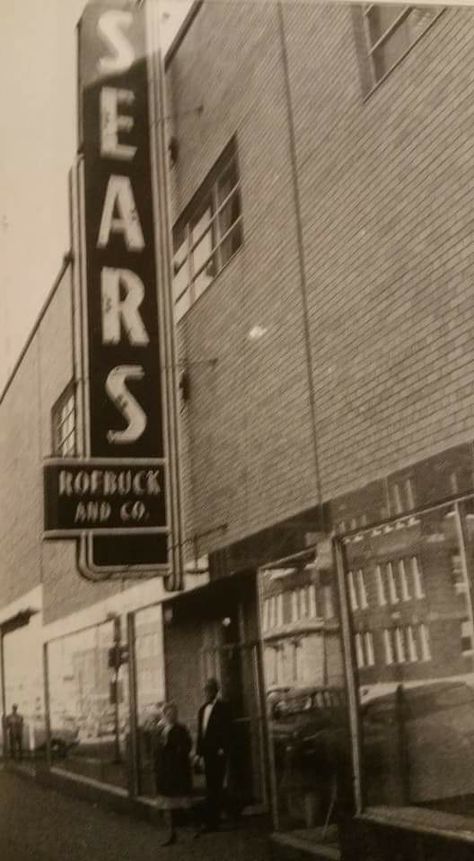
(213, 745)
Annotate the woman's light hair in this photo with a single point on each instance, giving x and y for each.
(169, 706)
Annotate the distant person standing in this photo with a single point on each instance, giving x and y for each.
(173, 769)
(213, 746)
(14, 725)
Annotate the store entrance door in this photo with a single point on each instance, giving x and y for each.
(235, 665)
(212, 632)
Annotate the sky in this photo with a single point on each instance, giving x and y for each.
(37, 148)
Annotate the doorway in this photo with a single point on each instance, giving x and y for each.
(212, 633)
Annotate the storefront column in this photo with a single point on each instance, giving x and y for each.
(134, 785)
(46, 705)
(464, 562)
(349, 665)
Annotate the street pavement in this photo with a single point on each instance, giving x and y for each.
(39, 824)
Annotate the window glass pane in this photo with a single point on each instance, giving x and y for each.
(417, 698)
(180, 282)
(387, 54)
(203, 263)
(231, 244)
(227, 181)
(150, 691)
(305, 695)
(229, 213)
(380, 18)
(400, 39)
(380, 586)
(89, 731)
(201, 222)
(23, 686)
(182, 305)
(212, 235)
(63, 423)
(181, 246)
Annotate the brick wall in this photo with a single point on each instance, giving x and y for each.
(247, 423)
(385, 186)
(25, 439)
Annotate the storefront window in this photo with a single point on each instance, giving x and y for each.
(416, 679)
(304, 691)
(150, 693)
(89, 704)
(23, 683)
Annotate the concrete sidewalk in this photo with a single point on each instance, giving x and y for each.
(40, 824)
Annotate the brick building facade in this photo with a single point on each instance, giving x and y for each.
(320, 177)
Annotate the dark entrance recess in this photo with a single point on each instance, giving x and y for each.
(212, 632)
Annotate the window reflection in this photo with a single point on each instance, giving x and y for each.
(417, 695)
(306, 708)
(23, 685)
(89, 715)
(150, 690)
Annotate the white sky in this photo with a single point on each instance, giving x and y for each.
(37, 148)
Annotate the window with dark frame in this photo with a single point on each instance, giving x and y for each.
(391, 30)
(64, 423)
(208, 233)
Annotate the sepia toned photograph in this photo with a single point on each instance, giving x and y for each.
(236, 430)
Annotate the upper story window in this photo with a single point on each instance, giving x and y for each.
(357, 590)
(64, 423)
(391, 30)
(208, 233)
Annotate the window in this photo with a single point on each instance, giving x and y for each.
(272, 612)
(400, 653)
(392, 585)
(352, 591)
(64, 424)
(294, 606)
(357, 590)
(418, 587)
(408, 644)
(208, 233)
(362, 590)
(387, 637)
(457, 573)
(380, 586)
(391, 30)
(312, 601)
(279, 609)
(411, 644)
(328, 602)
(425, 643)
(403, 580)
(364, 647)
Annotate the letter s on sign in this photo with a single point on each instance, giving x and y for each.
(126, 404)
(110, 26)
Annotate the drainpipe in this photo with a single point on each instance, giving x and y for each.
(301, 259)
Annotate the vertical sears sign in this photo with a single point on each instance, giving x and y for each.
(121, 355)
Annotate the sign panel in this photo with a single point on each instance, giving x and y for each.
(123, 353)
(121, 350)
(103, 496)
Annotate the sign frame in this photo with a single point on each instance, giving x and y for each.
(103, 463)
(163, 381)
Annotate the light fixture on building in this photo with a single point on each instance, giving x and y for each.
(256, 332)
(168, 615)
(226, 621)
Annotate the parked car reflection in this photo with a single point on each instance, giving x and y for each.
(418, 743)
